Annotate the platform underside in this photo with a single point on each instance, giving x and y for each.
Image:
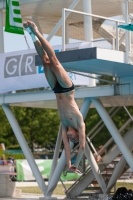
(110, 101)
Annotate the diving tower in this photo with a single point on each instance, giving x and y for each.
(93, 60)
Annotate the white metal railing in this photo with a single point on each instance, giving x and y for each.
(117, 22)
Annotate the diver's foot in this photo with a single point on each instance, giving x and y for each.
(27, 28)
(33, 27)
(30, 27)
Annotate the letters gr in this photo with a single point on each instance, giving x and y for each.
(20, 65)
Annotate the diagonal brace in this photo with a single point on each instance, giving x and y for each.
(24, 146)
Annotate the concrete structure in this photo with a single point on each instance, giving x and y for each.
(7, 187)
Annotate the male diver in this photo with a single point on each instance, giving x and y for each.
(73, 127)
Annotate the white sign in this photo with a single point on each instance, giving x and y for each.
(18, 72)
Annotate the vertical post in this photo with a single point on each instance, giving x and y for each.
(63, 29)
(114, 132)
(126, 32)
(67, 33)
(117, 36)
(113, 43)
(19, 135)
(129, 36)
(1, 33)
(88, 29)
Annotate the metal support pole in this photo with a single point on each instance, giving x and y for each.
(113, 43)
(58, 25)
(117, 36)
(126, 32)
(63, 29)
(62, 162)
(67, 33)
(19, 135)
(95, 168)
(114, 132)
(124, 9)
(88, 30)
(129, 45)
(1, 33)
(56, 152)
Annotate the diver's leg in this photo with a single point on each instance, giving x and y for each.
(55, 65)
(50, 76)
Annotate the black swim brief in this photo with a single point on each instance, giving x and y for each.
(59, 89)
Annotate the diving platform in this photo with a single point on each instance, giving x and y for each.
(94, 60)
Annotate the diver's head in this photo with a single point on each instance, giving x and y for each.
(72, 135)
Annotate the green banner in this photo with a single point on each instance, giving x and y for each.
(24, 172)
(13, 17)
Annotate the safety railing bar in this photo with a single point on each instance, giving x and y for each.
(92, 15)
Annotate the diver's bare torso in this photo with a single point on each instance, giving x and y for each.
(68, 110)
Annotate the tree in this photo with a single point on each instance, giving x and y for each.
(39, 126)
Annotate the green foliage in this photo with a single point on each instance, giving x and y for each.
(1, 153)
(107, 78)
(39, 126)
(14, 147)
(16, 156)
